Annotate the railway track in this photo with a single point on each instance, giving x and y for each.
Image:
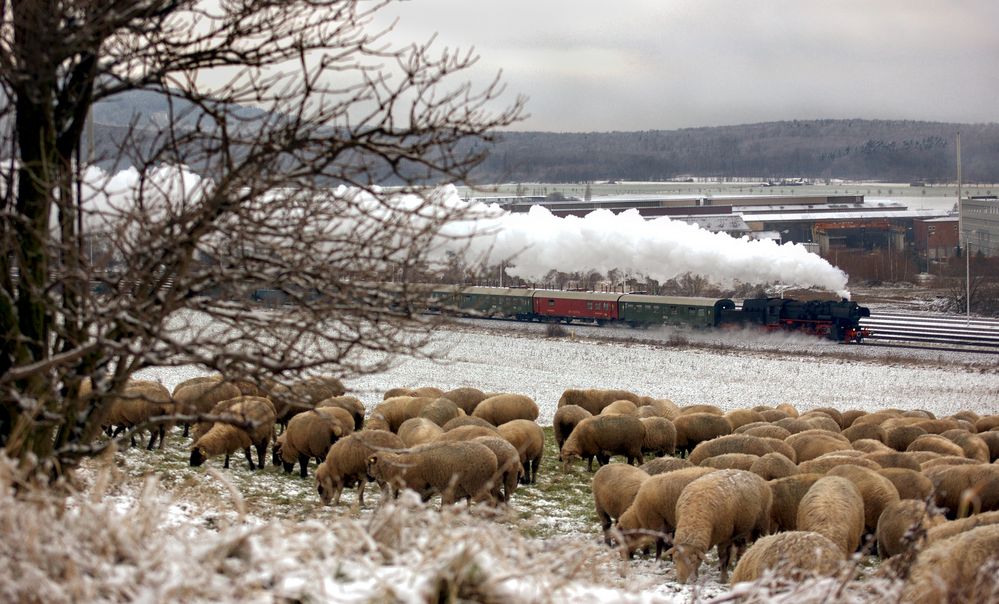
(933, 331)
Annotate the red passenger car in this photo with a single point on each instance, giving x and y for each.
(584, 306)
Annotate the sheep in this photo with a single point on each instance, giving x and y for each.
(833, 507)
(455, 470)
(302, 395)
(812, 443)
(900, 522)
(787, 408)
(963, 489)
(464, 433)
(529, 440)
(820, 421)
(877, 491)
(695, 428)
(787, 493)
(764, 431)
(958, 569)
(850, 416)
(565, 420)
(973, 446)
(310, 435)
(937, 444)
(138, 402)
(602, 436)
(509, 469)
(660, 407)
(821, 465)
(652, 513)
(503, 408)
(727, 508)
(351, 404)
(622, 407)
(741, 417)
(991, 440)
(198, 398)
(662, 465)
(869, 445)
(594, 400)
(794, 555)
(986, 423)
(730, 443)
(467, 420)
(950, 528)
(773, 465)
(441, 411)
(773, 415)
(465, 397)
(894, 459)
(872, 431)
(419, 431)
(391, 412)
(660, 436)
(614, 487)
(795, 425)
(224, 438)
(948, 460)
(420, 392)
(910, 484)
(346, 463)
(730, 461)
(900, 437)
(938, 426)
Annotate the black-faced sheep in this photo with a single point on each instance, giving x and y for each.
(346, 463)
(787, 493)
(504, 408)
(225, 439)
(614, 488)
(138, 402)
(662, 465)
(900, 525)
(730, 443)
(441, 411)
(509, 468)
(651, 517)
(694, 428)
(877, 491)
(419, 431)
(727, 508)
(794, 555)
(773, 465)
(602, 436)
(458, 470)
(594, 400)
(529, 440)
(351, 404)
(910, 484)
(465, 397)
(565, 421)
(660, 436)
(310, 434)
(958, 569)
(834, 508)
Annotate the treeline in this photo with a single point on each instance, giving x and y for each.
(899, 151)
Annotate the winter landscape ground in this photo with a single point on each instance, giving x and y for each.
(147, 527)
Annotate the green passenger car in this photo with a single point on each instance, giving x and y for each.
(642, 310)
(486, 301)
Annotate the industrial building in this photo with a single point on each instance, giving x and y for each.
(980, 224)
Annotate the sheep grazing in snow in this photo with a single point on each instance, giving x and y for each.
(660, 436)
(964, 490)
(961, 568)
(741, 417)
(661, 465)
(877, 491)
(504, 408)
(810, 444)
(974, 446)
(787, 495)
(937, 444)
(614, 487)
(391, 412)
(467, 398)
(695, 428)
(529, 440)
(465, 433)
(910, 484)
(138, 402)
(225, 439)
(509, 469)
(311, 434)
(467, 420)
(795, 555)
(773, 465)
(730, 443)
(622, 407)
(730, 461)
(419, 431)
(351, 404)
(346, 463)
(900, 523)
(419, 392)
(594, 400)
(460, 470)
(302, 395)
(567, 417)
(602, 436)
(727, 509)
(200, 397)
(441, 411)
(950, 528)
(834, 507)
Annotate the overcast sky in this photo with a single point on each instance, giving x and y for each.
(589, 65)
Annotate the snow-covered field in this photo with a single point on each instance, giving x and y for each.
(196, 534)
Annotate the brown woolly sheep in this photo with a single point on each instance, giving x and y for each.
(938, 426)
(441, 411)
(948, 529)
(419, 392)
(788, 409)
(467, 420)
(850, 415)
(900, 523)
(391, 412)
(661, 407)
(742, 417)
(935, 443)
(622, 407)
(695, 428)
(965, 415)
(824, 463)
(794, 555)
(991, 439)
(894, 459)
(727, 508)
(794, 425)
(965, 489)
(869, 445)
(346, 463)
(877, 417)
(835, 414)
(701, 408)
(877, 491)
(196, 398)
(310, 434)
(455, 470)
(503, 408)
(766, 431)
(651, 517)
(419, 431)
(594, 400)
(834, 507)
(986, 423)
(773, 415)
(660, 436)
(226, 439)
(529, 440)
(910, 484)
(466, 398)
(974, 446)
(787, 493)
(509, 469)
(958, 569)
(602, 436)
(138, 402)
(871, 431)
(773, 465)
(948, 460)
(662, 465)
(730, 443)
(302, 395)
(565, 420)
(820, 421)
(614, 487)
(463, 433)
(900, 437)
(810, 444)
(730, 461)
(351, 404)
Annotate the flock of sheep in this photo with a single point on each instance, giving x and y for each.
(775, 490)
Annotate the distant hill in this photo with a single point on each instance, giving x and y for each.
(898, 151)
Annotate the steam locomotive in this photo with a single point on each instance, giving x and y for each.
(835, 320)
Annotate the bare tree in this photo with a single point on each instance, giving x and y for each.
(315, 112)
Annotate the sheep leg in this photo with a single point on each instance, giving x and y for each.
(534, 469)
(360, 493)
(249, 457)
(725, 551)
(187, 429)
(226, 465)
(152, 437)
(261, 453)
(303, 465)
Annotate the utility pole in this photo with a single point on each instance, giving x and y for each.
(962, 236)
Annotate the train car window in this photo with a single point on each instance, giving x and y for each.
(589, 306)
(551, 303)
(606, 306)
